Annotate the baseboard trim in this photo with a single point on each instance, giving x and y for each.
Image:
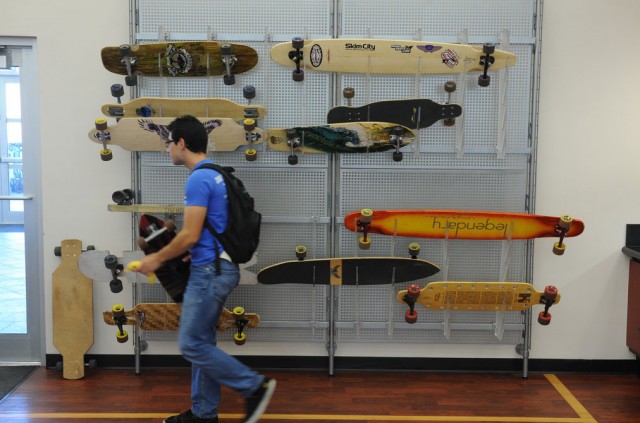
(376, 363)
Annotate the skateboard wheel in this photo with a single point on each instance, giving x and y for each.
(170, 225)
(122, 337)
(131, 80)
(117, 310)
(297, 42)
(484, 80)
(488, 48)
(249, 92)
(550, 292)
(449, 121)
(111, 262)
(101, 124)
(117, 90)
(238, 312)
(565, 221)
(349, 92)
(225, 49)
(57, 251)
(414, 249)
(410, 316)
(397, 156)
(298, 75)
(125, 50)
(106, 155)
(249, 124)
(229, 79)
(292, 159)
(364, 244)
(115, 286)
(142, 243)
(144, 111)
(301, 252)
(450, 86)
(544, 318)
(413, 291)
(366, 215)
(251, 154)
(558, 249)
(239, 338)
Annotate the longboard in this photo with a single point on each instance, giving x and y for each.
(72, 310)
(377, 56)
(478, 296)
(412, 113)
(173, 107)
(463, 224)
(348, 271)
(150, 134)
(166, 316)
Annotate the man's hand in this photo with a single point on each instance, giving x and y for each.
(148, 265)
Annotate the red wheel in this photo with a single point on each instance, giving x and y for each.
(550, 292)
(413, 291)
(544, 319)
(410, 316)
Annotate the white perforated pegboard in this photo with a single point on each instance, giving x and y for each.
(304, 204)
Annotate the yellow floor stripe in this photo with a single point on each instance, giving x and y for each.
(570, 399)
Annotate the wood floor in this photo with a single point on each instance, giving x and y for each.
(121, 396)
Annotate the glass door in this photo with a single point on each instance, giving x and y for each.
(12, 211)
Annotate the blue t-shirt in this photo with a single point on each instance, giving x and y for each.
(206, 188)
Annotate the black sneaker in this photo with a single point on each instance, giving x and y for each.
(257, 403)
(189, 417)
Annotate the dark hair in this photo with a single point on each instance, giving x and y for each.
(192, 131)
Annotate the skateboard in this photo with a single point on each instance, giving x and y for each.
(350, 137)
(478, 296)
(72, 310)
(151, 134)
(462, 224)
(347, 271)
(179, 59)
(166, 316)
(375, 56)
(412, 113)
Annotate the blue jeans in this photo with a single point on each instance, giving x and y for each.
(211, 367)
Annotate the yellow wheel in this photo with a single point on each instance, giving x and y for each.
(565, 221)
(117, 310)
(122, 337)
(249, 124)
(558, 249)
(106, 155)
(364, 244)
(301, 252)
(251, 154)
(414, 249)
(366, 215)
(238, 312)
(239, 338)
(101, 124)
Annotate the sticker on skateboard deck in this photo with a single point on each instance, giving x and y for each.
(478, 296)
(166, 316)
(462, 224)
(376, 56)
(350, 137)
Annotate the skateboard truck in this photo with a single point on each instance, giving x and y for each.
(101, 125)
(111, 263)
(123, 197)
(293, 141)
(249, 125)
(229, 61)
(548, 298)
(449, 88)
(561, 229)
(120, 319)
(154, 232)
(239, 338)
(129, 61)
(413, 292)
(396, 139)
(297, 56)
(487, 60)
(366, 215)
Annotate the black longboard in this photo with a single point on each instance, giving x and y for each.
(412, 113)
(348, 271)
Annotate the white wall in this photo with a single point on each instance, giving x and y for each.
(586, 166)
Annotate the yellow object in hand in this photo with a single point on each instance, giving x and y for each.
(133, 265)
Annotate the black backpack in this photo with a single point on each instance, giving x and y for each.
(241, 237)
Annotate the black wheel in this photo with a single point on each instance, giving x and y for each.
(111, 262)
(125, 50)
(229, 79)
(115, 286)
(57, 251)
(131, 80)
(117, 90)
(297, 42)
(484, 80)
(144, 111)
(249, 92)
(397, 156)
(298, 75)
(349, 93)
(225, 49)
(292, 159)
(488, 48)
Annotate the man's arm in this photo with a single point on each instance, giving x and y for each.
(194, 217)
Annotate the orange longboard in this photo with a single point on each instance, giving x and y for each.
(461, 224)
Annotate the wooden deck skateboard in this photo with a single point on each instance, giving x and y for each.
(151, 134)
(373, 56)
(351, 137)
(346, 271)
(462, 224)
(412, 113)
(179, 59)
(173, 107)
(478, 296)
(166, 316)
(72, 310)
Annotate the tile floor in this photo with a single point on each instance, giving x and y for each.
(13, 298)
